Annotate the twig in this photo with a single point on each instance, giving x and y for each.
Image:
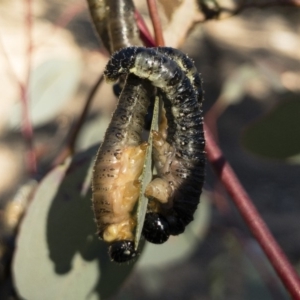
(242, 201)
(159, 38)
(69, 148)
(26, 126)
(144, 31)
(27, 130)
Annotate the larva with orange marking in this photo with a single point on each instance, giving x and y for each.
(117, 169)
(180, 159)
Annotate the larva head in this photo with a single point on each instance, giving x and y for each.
(120, 63)
(156, 228)
(122, 251)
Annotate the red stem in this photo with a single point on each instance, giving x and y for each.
(27, 130)
(26, 126)
(252, 218)
(144, 31)
(159, 38)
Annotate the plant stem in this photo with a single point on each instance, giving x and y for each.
(159, 38)
(27, 129)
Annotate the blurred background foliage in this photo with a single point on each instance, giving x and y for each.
(250, 64)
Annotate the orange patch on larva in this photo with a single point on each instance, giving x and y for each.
(116, 191)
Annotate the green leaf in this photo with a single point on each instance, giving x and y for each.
(58, 255)
(276, 135)
(146, 177)
(52, 84)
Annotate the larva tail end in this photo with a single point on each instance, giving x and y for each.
(122, 251)
(156, 228)
(120, 63)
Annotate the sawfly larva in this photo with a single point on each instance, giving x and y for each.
(174, 194)
(117, 169)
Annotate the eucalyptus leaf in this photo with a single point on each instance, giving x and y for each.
(146, 176)
(51, 85)
(92, 132)
(58, 255)
(277, 134)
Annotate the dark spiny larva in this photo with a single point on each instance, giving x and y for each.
(187, 66)
(115, 23)
(180, 158)
(118, 165)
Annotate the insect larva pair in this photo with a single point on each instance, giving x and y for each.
(174, 193)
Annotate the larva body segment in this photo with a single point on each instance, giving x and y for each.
(118, 165)
(123, 31)
(115, 23)
(99, 12)
(180, 158)
(187, 65)
(116, 188)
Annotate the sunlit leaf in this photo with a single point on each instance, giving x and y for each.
(52, 84)
(277, 134)
(58, 255)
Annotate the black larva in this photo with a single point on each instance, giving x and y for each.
(186, 64)
(180, 158)
(118, 165)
